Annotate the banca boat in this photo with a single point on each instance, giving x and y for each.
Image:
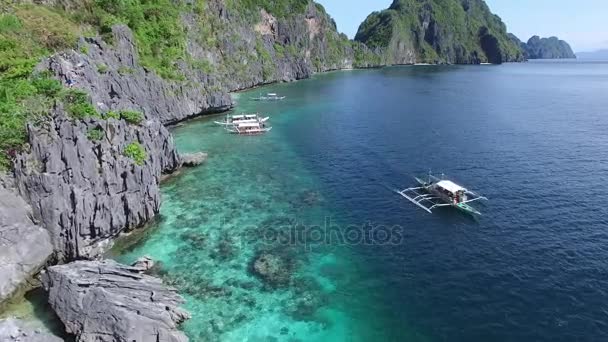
(231, 120)
(249, 128)
(268, 97)
(435, 192)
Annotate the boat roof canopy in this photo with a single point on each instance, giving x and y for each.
(450, 186)
(272, 94)
(249, 124)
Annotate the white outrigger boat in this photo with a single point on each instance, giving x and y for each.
(435, 192)
(268, 97)
(232, 120)
(249, 128)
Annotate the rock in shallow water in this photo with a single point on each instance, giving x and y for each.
(193, 159)
(13, 330)
(273, 269)
(144, 263)
(104, 301)
(24, 247)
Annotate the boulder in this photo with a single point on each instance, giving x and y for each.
(13, 330)
(144, 263)
(24, 246)
(193, 159)
(104, 301)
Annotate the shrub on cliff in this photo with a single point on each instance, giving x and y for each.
(22, 101)
(78, 104)
(95, 134)
(136, 152)
(110, 115)
(131, 116)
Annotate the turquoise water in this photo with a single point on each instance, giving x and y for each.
(529, 136)
(215, 218)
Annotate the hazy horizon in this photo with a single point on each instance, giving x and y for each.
(581, 24)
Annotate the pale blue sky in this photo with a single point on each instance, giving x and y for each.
(583, 23)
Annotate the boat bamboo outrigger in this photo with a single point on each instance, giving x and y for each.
(268, 97)
(231, 120)
(249, 128)
(435, 192)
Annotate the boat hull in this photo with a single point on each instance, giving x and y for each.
(254, 132)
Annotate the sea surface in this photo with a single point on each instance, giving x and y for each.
(359, 262)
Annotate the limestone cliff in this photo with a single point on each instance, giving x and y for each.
(84, 191)
(547, 48)
(439, 31)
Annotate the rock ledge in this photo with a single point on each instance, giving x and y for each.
(104, 301)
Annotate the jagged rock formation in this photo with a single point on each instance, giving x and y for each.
(113, 77)
(268, 49)
(439, 31)
(271, 46)
(547, 48)
(24, 246)
(85, 192)
(13, 330)
(103, 301)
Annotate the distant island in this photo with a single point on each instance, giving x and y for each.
(599, 55)
(547, 48)
(439, 31)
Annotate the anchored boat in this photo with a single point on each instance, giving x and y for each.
(249, 128)
(232, 120)
(435, 192)
(268, 97)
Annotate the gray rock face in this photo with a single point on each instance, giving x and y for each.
(103, 301)
(24, 247)
(85, 192)
(115, 80)
(193, 159)
(547, 48)
(13, 330)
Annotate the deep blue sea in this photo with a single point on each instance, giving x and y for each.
(532, 137)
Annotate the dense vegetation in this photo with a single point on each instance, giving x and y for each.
(547, 48)
(439, 31)
(28, 33)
